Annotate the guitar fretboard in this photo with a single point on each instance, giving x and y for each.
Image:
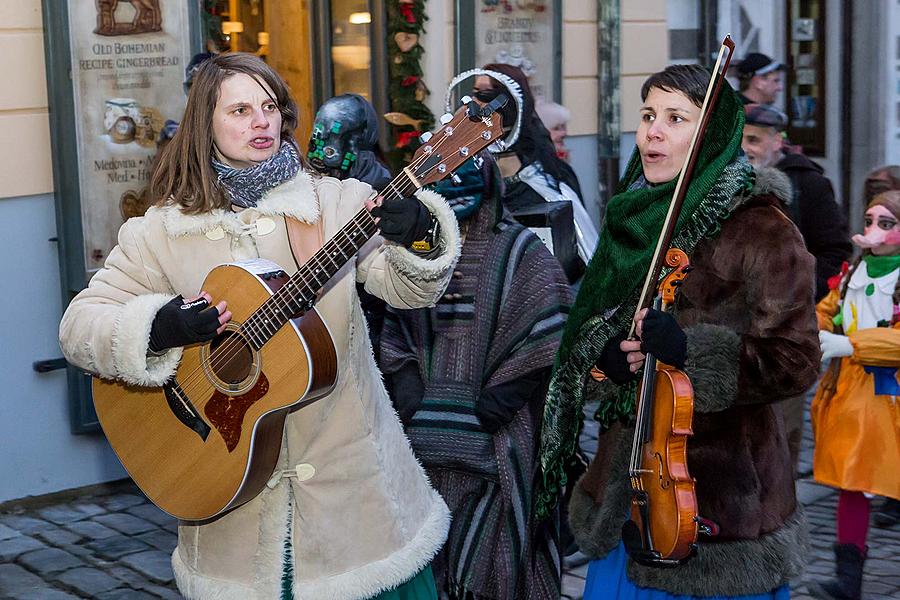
(299, 293)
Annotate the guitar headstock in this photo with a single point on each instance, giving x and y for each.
(472, 128)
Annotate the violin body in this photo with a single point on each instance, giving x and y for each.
(664, 480)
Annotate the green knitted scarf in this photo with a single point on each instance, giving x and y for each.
(612, 284)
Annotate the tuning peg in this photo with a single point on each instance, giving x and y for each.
(465, 99)
(446, 118)
(456, 179)
(425, 137)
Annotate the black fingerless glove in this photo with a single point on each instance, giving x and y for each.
(178, 324)
(662, 337)
(613, 362)
(404, 220)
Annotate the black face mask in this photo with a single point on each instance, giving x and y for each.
(507, 113)
(485, 95)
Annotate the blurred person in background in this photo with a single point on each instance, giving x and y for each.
(760, 79)
(556, 118)
(532, 172)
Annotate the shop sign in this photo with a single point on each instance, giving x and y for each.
(520, 33)
(128, 61)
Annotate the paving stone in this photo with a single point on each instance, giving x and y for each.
(129, 577)
(7, 532)
(150, 513)
(89, 508)
(125, 523)
(167, 593)
(62, 514)
(117, 547)
(125, 594)
(49, 560)
(160, 539)
(87, 581)
(122, 501)
(91, 530)
(59, 537)
(13, 547)
(16, 581)
(50, 594)
(153, 563)
(24, 524)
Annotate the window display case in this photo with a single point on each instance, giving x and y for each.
(805, 76)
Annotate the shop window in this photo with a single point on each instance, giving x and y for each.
(805, 77)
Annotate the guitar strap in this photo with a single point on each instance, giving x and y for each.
(305, 239)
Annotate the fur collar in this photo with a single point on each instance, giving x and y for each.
(769, 180)
(294, 198)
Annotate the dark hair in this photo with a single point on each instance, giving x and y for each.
(690, 80)
(184, 173)
(744, 80)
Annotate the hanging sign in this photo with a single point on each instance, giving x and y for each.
(521, 33)
(128, 61)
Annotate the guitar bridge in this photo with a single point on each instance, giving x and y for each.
(184, 411)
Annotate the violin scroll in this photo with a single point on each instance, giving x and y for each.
(681, 266)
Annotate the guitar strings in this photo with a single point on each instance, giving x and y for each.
(237, 342)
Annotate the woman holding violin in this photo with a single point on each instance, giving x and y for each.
(742, 330)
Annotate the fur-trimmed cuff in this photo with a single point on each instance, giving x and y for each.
(430, 269)
(130, 341)
(713, 363)
(741, 567)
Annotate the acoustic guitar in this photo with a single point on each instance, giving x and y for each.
(208, 440)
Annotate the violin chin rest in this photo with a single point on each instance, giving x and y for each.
(632, 538)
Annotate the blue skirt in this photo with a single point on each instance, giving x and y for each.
(606, 578)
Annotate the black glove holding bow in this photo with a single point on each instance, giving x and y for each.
(664, 338)
(405, 220)
(179, 323)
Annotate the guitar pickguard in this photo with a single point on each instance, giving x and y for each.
(226, 413)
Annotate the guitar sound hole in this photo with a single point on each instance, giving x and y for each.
(231, 358)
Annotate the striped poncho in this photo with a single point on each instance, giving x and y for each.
(500, 320)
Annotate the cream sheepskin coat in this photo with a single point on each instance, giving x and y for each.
(356, 504)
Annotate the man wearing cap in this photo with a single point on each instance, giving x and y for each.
(759, 79)
(814, 211)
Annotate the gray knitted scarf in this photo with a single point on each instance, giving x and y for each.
(245, 187)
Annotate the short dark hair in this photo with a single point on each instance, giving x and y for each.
(690, 80)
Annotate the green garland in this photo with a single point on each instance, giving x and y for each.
(406, 79)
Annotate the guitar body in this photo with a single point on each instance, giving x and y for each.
(209, 440)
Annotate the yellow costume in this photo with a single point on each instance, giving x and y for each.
(857, 431)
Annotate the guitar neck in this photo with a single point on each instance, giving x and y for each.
(299, 293)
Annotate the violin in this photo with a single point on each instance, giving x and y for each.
(664, 524)
(663, 528)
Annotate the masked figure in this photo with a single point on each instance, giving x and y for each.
(344, 140)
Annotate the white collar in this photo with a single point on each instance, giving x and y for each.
(294, 198)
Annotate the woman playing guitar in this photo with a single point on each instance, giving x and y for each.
(742, 329)
(327, 523)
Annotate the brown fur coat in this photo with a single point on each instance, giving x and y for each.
(748, 312)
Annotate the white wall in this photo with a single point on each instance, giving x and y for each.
(40, 455)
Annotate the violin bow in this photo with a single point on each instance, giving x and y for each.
(726, 50)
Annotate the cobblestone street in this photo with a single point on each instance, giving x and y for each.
(112, 544)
